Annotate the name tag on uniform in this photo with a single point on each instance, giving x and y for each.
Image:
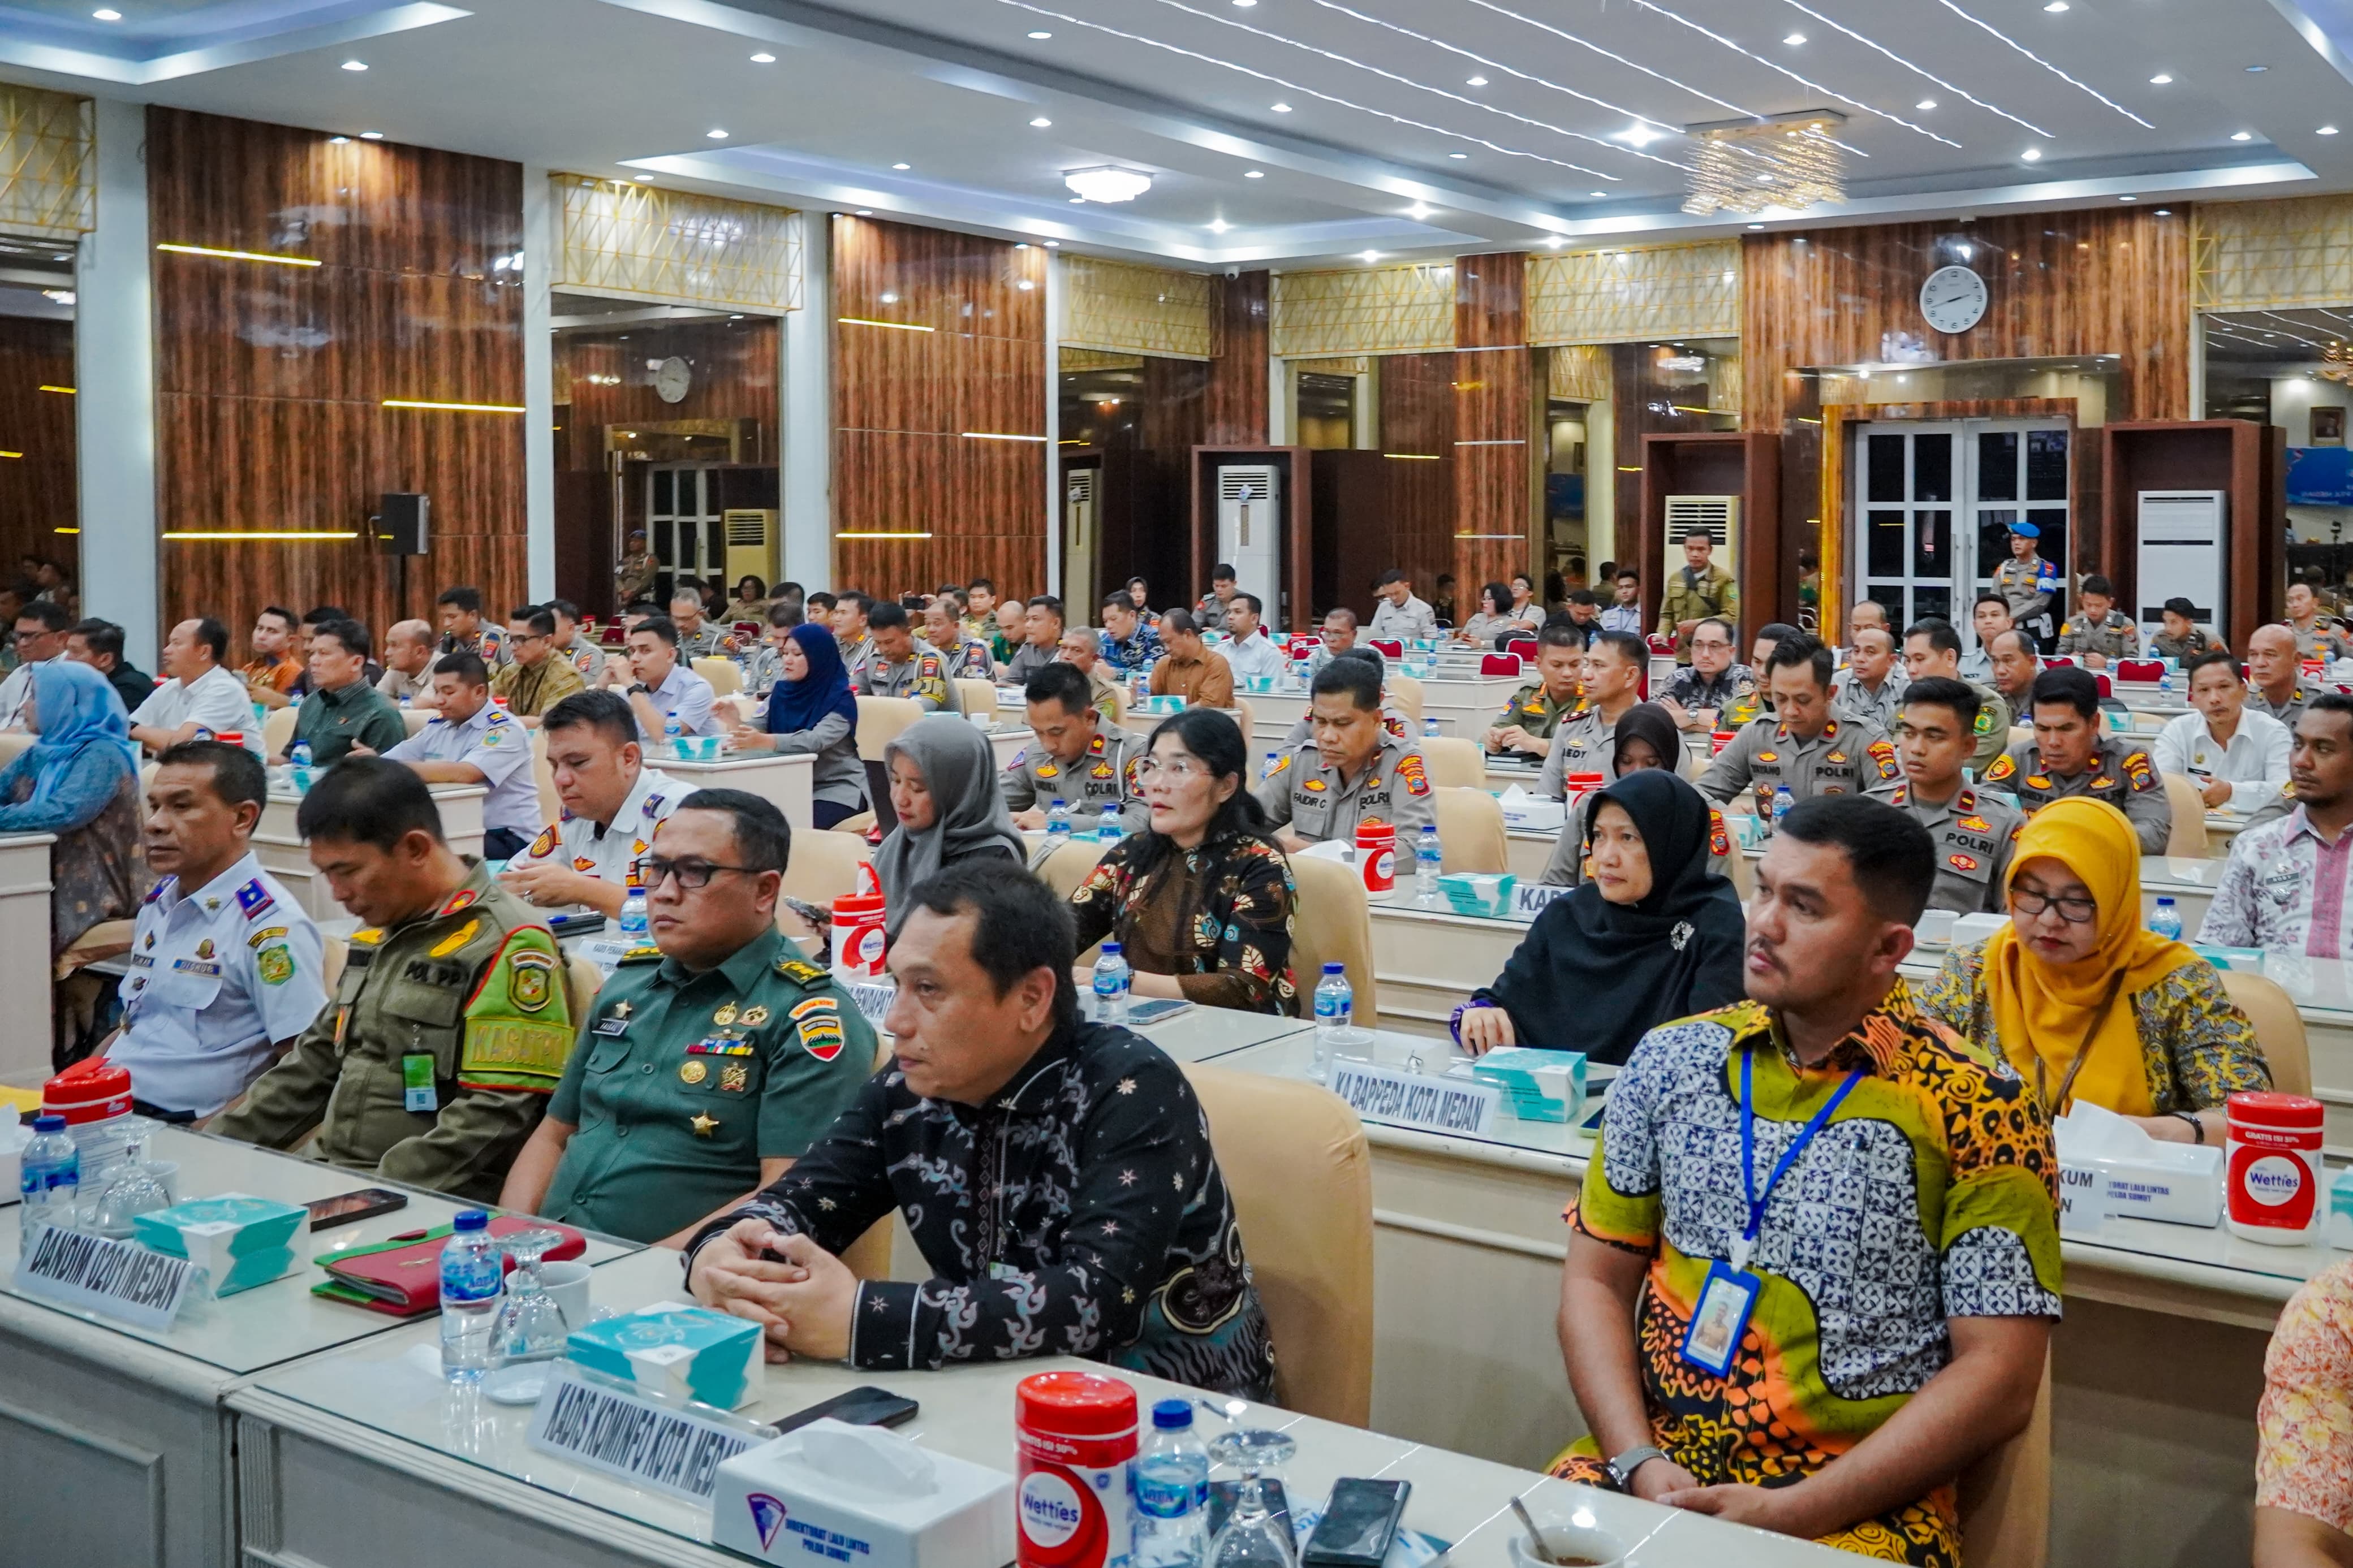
(1725, 1301)
(417, 1092)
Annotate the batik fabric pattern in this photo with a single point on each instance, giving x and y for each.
(1221, 911)
(1079, 1213)
(1929, 1195)
(2304, 1424)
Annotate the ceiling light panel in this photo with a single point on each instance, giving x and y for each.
(2046, 64)
(1913, 67)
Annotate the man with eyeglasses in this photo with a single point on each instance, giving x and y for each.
(713, 1058)
(1711, 686)
(1074, 756)
(612, 803)
(540, 676)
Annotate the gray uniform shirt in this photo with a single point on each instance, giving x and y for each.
(2287, 713)
(2116, 636)
(2120, 773)
(1851, 756)
(1581, 743)
(1104, 776)
(922, 675)
(1973, 833)
(1318, 805)
(1881, 706)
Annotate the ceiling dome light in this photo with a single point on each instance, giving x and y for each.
(2326, 130)
(371, 135)
(716, 134)
(1476, 81)
(1107, 183)
(1925, 104)
(2031, 155)
(1253, 174)
(1219, 226)
(764, 59)
(2162, 79)
(1041, 33)
(355, 65)
(1795, 39)
(107, 14)
(902, 167)
(1280, 108)
(1040, 123)
(1637, 135)
(2243, 135)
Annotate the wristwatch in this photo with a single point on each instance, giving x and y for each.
(641, 688)
(1621, 1469)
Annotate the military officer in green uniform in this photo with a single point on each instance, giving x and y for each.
(1525, 727)
(1700, 590)
(713, 1059)
(2068, 755)
(1073, 756)
(449, 1026)
(1802, 742)
(2098, 631)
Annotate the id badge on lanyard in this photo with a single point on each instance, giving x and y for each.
(1728, 1296)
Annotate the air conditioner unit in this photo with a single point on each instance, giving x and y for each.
(1717, 516)
(751, 536)
(1250, 529)
(2183, 545)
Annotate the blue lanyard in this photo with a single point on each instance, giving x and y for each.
(1757, 1200)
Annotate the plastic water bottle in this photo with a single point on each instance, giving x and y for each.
(1172, 1491)
(2166, 920)
(471, 1271)
(1058, 820)
(51, 1184)
(1430, 728)
(672, 733)
(299, 755)
(1267, 772)
(1782, 801)
(1107, 827)
(1429, 861)
(1335, 1010)
(636, 928)
(2165, 680)
(1111, 986)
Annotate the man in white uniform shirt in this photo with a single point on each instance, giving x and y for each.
(664, 685)
(473, 741)
(41, 629)
(202, 693)
(1251, 652)
(2234, 754)
(224, 966)
(1399, 616)
(612, 803)
(2287, 887)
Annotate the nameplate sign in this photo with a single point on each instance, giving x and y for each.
(625, 1432)
(2082, 1199)
(872, 999)
(1529, 899)
(119, 1279)
(604, 952)
(1420, 1100)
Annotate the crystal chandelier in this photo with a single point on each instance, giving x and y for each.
(2336, 363)
(1784, 160)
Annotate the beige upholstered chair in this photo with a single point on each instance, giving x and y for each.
(1470, 829)
(581, 981)
(2005, 1497)
(726, 677)
(824, 867)
(1405, 691)
(2189, 835)
(417, 718)
(1454, 763)
(277, 731)
(1295, 1159)
(2279, 1028)
(976, 695)
(881, 721)
(1330, 924)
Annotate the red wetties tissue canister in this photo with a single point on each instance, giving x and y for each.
(2275, 1186)
(857, 936)
(1376, 855)
(1076, 1436)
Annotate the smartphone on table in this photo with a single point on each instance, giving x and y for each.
(866, 1406)
(343, 1208)
(1358, 1524)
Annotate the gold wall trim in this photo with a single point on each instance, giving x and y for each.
(1126, 309)
(1579, 373)
(1622, 294)
(1364, 311)
(1343, 364)
(2268, 255)
(673, 247)
(49, 168)
(1071, 359)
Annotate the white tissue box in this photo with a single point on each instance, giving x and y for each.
(833, 1493)
(1524, 810)
(1975, 928)
(2136, 1176)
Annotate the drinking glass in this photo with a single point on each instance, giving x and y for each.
(1253, 1537)
(530, 1326)
(130, 1191)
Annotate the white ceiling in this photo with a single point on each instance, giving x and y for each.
(1379, 90)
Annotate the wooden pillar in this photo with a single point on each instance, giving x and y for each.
(1494, 423)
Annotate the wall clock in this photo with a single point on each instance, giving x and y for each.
(673, 378)
(1954, 299)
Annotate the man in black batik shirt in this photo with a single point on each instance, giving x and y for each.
(1057, 1176)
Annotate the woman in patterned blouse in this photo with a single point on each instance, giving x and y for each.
(1202, 903)
(2086, 1004)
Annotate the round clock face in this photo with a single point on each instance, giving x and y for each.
(1954, 299)
(673, 379)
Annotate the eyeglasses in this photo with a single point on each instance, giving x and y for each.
(2073, 909)
(1176, 770)
(690, 874)
(1713, 643)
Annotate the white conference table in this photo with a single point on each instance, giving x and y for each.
(123, 1426)
(784, 779)
(2157, 1365)
(285, 854)
(25, 887)
(365, 1458)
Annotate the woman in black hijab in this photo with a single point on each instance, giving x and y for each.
(1652, 935)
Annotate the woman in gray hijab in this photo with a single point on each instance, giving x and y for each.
(944, 787)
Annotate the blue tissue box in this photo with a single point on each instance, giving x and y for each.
(1481, 893)
(680, 1350)
(220, 1233)
(1538, 1085)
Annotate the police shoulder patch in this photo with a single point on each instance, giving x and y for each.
(1962, 862)
(1410, 769)
(544, 845)
(2004, 766)
(1719, 841)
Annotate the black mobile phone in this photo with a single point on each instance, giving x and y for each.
(344, 1208)
(866, 1406)
(1223, 1493)
(1358, 1523)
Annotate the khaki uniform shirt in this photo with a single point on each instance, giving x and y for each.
(683, 1083)
(1994, 721)
(633, 578)
(920, 675)
(705, 641)
(1973, 833)
(1319, 805)
(1583, 743)
(1881, 706)
(401, 687)
(531, 691)
(2183, 648)
(473, 993)
(1533, 710)
(1851, 756)
(1104, 776)
(2320, 640)
(2027, 585)
(2117, 636)
(2287, 713)
(2120, 773)
(1691, 597)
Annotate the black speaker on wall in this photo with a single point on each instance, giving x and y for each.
(403, 526)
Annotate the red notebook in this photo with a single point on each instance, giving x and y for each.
(405, 1280)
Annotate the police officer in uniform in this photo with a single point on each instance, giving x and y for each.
(473, 741)
(1936, 733)
(1932, 651)
(1354, 771)
(1802, 742)
(2026, 581)
(1585, 741)
(449, 1026)
(1525, 727)
(612, 803)
(2068, 755)
(715, 1056)
(1072, 757)
(899, 668)
(2098, 631)
(2274, 668)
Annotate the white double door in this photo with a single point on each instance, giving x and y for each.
(1932, 502)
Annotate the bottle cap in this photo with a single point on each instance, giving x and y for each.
(1336, 968)
(470, 1220)
(1172, 1415)
(1111, 950)
(48, 1122)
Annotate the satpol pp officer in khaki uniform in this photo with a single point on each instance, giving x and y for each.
(2069, 755)
(449, 1026)
(715, 1056)
(1801, 743)
(1936, 733)
(1525, 726)
(1353, 772)
(1072, 756)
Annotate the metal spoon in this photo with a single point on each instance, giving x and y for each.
(1535, 1536)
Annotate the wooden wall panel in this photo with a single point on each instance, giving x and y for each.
(271, 378)
(1237, 413)
(37, 494)
(1418, 412)
(908, 407)
(1495, 511)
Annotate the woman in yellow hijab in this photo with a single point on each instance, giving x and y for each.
(2085, 1003)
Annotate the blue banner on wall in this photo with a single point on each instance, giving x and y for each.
(2320, 476)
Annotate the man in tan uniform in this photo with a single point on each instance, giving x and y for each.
(1800, 744)
(1354, 771)
(1698, 591)
(2069, 756)
(2098, 632)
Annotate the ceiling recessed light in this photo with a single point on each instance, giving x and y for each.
(902, 167)
(2326, 130)
(1636, 135)
(1476, 81)
(2056, 7)
(1053, 245)
(1040, 123)
(371, 135)
(1458, 157)
(1219, 226)
(1596, 194)
(1279, 108)
(1078, 201)
(1025, 284)
(1041, 33)
(865, 212)
(1925, 103)
(107, 14)
(2243, 135)
(1245, 5)
(2165, 212)
(2162, 79)
(645, 179)
(1371, 257)
(2127, 198)
(2257, 71)
(1794, 40)
(764, 59)
(2033, 155)
(1757, 226)
(355, 65)
(887, 298)
(1253, 174)
(1418, 211)
(337, 141)
(1107, 183)
(1555, 242)
(716, 134)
